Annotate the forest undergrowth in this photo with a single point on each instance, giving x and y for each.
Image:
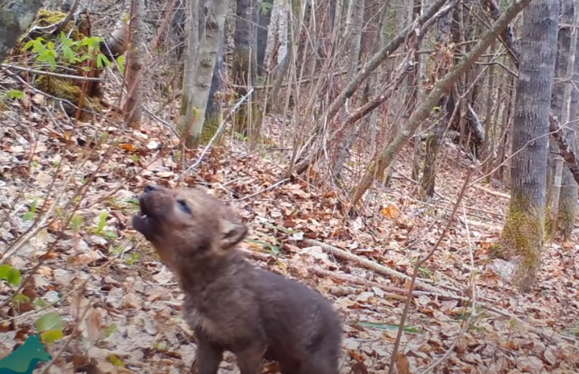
(68, 194)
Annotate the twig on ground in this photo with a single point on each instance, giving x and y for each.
(59, 75)
(419, 264)
(282, 181)
(217, 133)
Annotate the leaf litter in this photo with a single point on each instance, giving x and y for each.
(68, 195)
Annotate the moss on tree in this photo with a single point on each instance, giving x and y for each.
(523, 236)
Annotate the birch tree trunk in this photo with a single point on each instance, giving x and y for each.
(133, 75)
(200, 65)
(15, 17)
(523, 232)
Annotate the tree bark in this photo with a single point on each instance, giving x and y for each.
(355, 43)
(210, 20)
(15, 17)
(376, 169)
(523, 232)
(442, 62)
(263, 19)
(188, 111)
(134, 68)
(568, 194)
(243, 67)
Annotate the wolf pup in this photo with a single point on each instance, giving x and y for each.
(229, 303)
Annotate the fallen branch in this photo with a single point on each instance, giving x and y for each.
(380, 269)
(491, 192)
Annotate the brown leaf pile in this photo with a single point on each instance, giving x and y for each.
(68, 194)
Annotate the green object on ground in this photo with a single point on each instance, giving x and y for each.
(23, 360)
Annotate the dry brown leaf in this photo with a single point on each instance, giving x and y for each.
(390, 211)
(402, 364)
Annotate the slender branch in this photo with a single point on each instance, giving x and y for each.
(565, 149)
(217, 133)
(386, 156)
(419, 264)
(43, 72)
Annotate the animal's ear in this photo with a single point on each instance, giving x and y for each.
(231, 233)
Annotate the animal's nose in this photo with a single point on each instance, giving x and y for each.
(150, 188)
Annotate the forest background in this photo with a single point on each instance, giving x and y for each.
(412, 160)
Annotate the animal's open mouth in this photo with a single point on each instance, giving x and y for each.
(144, 211)
(143, 221)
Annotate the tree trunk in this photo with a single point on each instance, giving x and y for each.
(15, 17)
(213, 113)
(356, 19)
(568, 193)
(133, 74)
(442, 62)
(524, 226)
(187, 115)
(196, 95)
(555, 162)
(243, 68)
(263, 19)
(376, 169)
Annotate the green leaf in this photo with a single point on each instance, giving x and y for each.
(31, 214)
(109, 330)
(69, 54)
(34, 44)
(122, 60)
(40, 303)
(48, 56)
(10, 275)
(102, 61)
(116, 360)
(133, 258)
(51, 336)
(76, 222)
(49, 321)
(20, 299)
(15, 94)
(102, 222)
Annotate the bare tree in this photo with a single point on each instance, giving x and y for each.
(244, 66)
(565, 219)
(205, 29)
(524, 226)
(387, 154)
(134, 68)
(188, 111)
(354, 27)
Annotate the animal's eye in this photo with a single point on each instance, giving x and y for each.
(184, 207)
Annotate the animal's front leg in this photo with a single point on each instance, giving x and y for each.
(208, 358)
(250, 360)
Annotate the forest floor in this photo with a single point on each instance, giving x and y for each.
(66, 201)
